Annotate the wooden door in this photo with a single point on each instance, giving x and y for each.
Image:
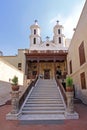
(83, 81)
(47, 74)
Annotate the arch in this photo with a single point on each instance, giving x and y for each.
(59, 39)
(34, 31)
(34, 40)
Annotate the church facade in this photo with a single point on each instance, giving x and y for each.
(46, 58)
(51, 58)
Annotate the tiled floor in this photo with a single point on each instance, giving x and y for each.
(80, 124)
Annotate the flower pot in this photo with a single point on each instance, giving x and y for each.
(69, 89)
(15, 87)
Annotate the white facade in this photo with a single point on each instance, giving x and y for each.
(35, 38)
(58, 42)
(8, 71)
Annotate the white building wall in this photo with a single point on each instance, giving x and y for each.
(7, 72)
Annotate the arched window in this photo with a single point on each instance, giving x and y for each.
(34, 40)
(58, 31)
(59, 39)
(34, 31)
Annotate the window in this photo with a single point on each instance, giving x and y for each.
(58, 31)
(82, 53)
(34, 40)
(19, 66)
(59, 39)
(83, 81)
(34, 31)
(70, 65)
(47, 44)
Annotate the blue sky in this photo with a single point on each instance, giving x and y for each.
(16, 16)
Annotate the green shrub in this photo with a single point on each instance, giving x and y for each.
(15, 80)
(69, 82)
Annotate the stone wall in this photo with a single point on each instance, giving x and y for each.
(80, 35)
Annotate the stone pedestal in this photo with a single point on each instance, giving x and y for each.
(70, 113)
(15, 102)
(70, 103)
(14, 114)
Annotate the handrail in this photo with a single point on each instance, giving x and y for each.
(23, 97)
(62, 90)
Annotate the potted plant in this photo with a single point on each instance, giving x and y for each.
(69, 84)
(15, 86)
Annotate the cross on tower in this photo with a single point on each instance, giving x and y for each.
(57, 21)
(35, 21)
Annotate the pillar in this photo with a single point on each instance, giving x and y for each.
(54, 68)
(15, 102)
(38, 71)
(70, 112)
(70, 102)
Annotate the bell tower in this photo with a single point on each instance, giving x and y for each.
(35, 37)
(58, 38)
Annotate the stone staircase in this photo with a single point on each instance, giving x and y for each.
(45, 102)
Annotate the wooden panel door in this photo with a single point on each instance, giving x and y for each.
(83, 81)
(47, 74)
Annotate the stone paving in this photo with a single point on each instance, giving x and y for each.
(80, 124)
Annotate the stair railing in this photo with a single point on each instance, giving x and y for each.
(62, 90)
(25, 93)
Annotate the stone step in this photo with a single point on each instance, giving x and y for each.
(44, 95)
(39, 108)
(44, 99)
(42, 105)
(46, 89)
(44, 112)
(44, 102)
(45, 116)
